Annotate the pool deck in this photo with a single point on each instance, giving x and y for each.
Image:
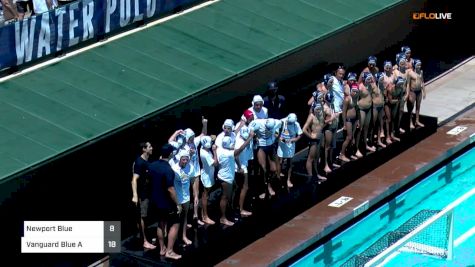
(317, 222)
(457, 84)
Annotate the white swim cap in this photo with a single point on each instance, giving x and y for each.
(292, 118)
(256, 99)
(206, 141)
(254, 126)
(270, 124)
(226, 142)
(180, 139)
(188, 134)
(244, 132)
(183, 153)
(228, 123)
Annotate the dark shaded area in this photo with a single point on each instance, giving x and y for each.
(94, 182)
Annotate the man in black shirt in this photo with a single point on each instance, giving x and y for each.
(140, 190)
(164, 202)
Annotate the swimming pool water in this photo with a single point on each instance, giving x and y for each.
(435, 192)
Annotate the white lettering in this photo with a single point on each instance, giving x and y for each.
(59, 13)
(151, 7)
(110, 8)
(124, 13)
(446, 15)
(137, 15)
(73, 23)
(24, 41)
(44, 38)
(87, 14)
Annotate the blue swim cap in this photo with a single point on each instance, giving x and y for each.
(372, 60)
(320, 95)
(329, 97)
(378, 76)
(327, 78)
(417, 61)
(317, 95)
(351, 76)
(388, 63)
(400, 58)
(317, 106)
(406, 49)
(367, 75)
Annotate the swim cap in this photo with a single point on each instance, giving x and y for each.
(379, 76)
(270, 124)
(417, 61)
(206, 141)
(372, 60)
(351, 76)
(388, 63)
(228, 123)
(398, 55)
(327, 78)
(180, 139)
(320, 95)
(248, 114)
(257, 99)
(292, 118)
(226, 142)
(401, 57)
(244, 132)
(367, 75)
(254, 126)
(183, 153)
(188, 134)
(317, 106)
(406, 49)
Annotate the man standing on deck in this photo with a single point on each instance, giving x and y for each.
(416, 88)
(338, 89)
(274, 102)
(140, 190)
(164, 201)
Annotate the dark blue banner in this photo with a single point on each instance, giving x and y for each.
(44, 34)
